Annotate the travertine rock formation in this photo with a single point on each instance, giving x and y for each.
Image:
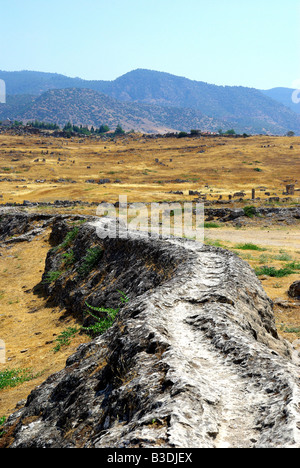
(193, 360)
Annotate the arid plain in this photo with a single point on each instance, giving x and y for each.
(56, 168)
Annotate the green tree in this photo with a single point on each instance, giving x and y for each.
(103, 129)
(68, 127)
(119, 130)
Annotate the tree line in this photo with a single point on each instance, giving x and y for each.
(70, 128)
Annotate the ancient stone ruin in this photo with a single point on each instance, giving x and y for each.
(192, 360)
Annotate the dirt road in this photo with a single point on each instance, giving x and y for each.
(286, 238)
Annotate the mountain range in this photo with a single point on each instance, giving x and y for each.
(148, 101)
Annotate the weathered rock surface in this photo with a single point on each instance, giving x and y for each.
(22, 224)
(193, 360)
(294, 290)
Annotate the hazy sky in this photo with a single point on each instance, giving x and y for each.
(252, 43)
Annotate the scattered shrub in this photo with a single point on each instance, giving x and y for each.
(52, 276)
(68, 258)
(101, 324)
(263, 259)
(211, 225)
(292, 330)
(283, 257)
(249, 211)
(69, 239)
(91, 259)
(249, 246)
(214, 243)
(64, 339)
(2, 422)
(12, 377)
(273, 272)
(108, 316)
(294, 266)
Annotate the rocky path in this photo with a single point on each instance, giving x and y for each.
(230, 417)
(229, 406)
(235, 403)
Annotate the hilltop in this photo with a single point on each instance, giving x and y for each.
(284, 96)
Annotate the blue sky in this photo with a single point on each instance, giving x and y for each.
(225, 42)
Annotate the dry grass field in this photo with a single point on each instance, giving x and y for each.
(48, 169)
(45, 169)
(29, 325)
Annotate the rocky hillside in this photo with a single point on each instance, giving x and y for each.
(88, 107)
(192, 360)
(157, 100)
(284, 96)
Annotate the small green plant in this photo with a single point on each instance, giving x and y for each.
(2, 421)
(257, 169)
(52, 276)
(68, 258)
(92, 258)
(102, 324)
(69, 239)
(273, 272)
(292, 330)
(64, 339)
(249, 246)
(283, 257)
(13, 377)
(249, 211)
(211, 225)
(79, 223)
(214, 243)
(124, 298)
(263, 259)
(294, 266)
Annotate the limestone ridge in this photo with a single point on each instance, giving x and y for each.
(193, 360)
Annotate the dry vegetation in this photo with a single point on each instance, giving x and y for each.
(214, 166)
(29, 324)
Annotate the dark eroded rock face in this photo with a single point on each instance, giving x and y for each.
(23, 226)
(193, 360)
(294, 290)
